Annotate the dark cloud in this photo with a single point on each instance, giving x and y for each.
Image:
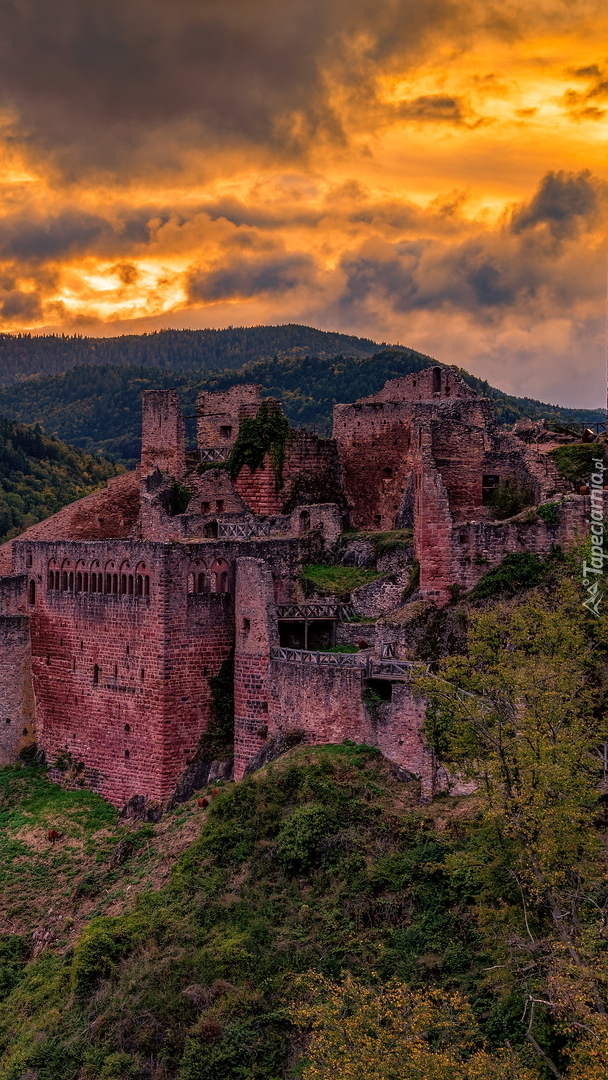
(95, 83)
(430, 275)
(20, 305)
(583, 104)
(434, 108)
(250, 278)
(29, 239)
(563, 204)
(487, 275)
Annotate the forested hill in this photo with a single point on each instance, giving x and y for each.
(99, 408)
(203, 350)
(39, 475)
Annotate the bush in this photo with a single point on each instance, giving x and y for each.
(299, 840)
(549, 513)
(515, 572)
(575, 462)
(509, 499)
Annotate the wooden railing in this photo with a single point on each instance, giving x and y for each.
(214, 453)
(369, 666)
(315, 609)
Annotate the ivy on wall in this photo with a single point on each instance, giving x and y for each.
(265, 433)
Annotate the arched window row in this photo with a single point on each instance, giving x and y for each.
(215, 579)
(109, 581)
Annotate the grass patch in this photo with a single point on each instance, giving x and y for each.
(336, 580)
(383, 543)
(575, 462)
(515, 572)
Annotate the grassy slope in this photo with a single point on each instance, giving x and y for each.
(98, 408)
(322, 861)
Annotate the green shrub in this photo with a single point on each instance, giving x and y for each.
(575, 462)
(180, 498)
(515, 572)
(549, 513)
(299, 840)
(266, 433)
(13, 957)
(508, 499)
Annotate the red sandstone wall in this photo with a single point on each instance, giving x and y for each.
(433, 540)
(137, 727)
(259, 489)
(256, 631)
(479, 546)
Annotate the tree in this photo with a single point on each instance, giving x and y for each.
(522, 715)
(389, 1032)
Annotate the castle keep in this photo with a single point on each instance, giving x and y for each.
(118, 613)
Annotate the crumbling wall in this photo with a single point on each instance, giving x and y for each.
(219, 414)
(163, 433)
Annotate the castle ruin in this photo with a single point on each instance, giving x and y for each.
(119, 612)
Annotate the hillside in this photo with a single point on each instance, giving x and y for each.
(98, 408)
(285, 927)
(39, 475)
(200, 350)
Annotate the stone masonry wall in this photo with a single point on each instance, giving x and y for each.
(256, 631)
(221, 410)
(121, 681)
(17, 713)
(163, 433)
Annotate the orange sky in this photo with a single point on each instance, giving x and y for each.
(431, 174)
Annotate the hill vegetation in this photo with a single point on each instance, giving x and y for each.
(317, 919)
(39, 475)
(200, 350)
(99, 408)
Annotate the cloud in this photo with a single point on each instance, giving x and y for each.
(251, 277)
(564, 204)
(583, 104)
(96, 85)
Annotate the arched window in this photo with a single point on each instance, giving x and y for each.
(64, 581)
(140, 585)
(95, 674)
(123, 583)
(51, 579)
(201, 583)
(32, 592)
(78, 582)
(93, 582)
(436, 380)
(211, 530)
(220, 576)
(108, 583)
(130, 585)
(71, 581)
(85, 582)
(114, 583)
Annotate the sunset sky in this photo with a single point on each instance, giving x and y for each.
(415, 171)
